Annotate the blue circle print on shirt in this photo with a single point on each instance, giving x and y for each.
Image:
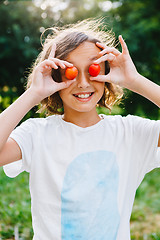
(89, 208)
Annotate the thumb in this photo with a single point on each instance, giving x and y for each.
(102, 78)
(53, 50)
(66, 84)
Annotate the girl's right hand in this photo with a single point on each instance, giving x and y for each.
(43, 84)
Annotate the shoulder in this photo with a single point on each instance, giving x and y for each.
(129, 121)
(40, 122)
(128, 118)
(117, 119)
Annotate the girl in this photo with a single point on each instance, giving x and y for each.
(84, 167)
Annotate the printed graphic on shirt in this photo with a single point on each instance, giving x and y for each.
(89, 208)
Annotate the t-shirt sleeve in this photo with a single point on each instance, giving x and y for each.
(145, 135)
(24, 136)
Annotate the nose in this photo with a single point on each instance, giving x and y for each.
(83, 80)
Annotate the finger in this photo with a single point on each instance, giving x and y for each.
(101, 45)
(48, 68)
(108, 57)
(53, 50)
(61, 63)
(67, 63)
(66, 84)
(124, 45)
(48, 63)
(101, 78)
(110, 50)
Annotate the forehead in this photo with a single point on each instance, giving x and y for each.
(86, 50)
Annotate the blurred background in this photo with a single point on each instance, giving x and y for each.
(21, 25)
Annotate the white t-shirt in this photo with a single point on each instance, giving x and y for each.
(83, 180)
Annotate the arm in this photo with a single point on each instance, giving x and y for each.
(147, 89)
(123, 72)
(9, 119)
(42, 86)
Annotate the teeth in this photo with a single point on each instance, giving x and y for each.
(84, 95)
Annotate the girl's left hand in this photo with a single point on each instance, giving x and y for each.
(122, 70)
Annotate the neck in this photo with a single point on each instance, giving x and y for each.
(82, 119)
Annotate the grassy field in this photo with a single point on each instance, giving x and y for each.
(15, 207)
(15, 216)
(145, 219)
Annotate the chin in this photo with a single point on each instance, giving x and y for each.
(84, 109)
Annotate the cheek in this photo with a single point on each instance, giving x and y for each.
(102, 65)
(100, 87)
(65, 94)
(62, 93)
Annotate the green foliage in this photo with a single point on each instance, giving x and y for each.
(138, 22)
(146, 210)
(15, 206)
(19, 43)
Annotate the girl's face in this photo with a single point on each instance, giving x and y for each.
(83, 94)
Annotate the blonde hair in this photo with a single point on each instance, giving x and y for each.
(68, 38)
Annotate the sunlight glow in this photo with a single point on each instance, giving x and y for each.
(41, 29)
(44, 15)
(54, 4)
(43, 6)
(88, 4)
(105, 6)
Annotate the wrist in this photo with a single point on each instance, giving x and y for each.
(135, 82)
(146, 88)
(34, 97)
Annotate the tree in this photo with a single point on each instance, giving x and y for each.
(138, 22)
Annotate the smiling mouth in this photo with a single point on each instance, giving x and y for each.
(83, 95)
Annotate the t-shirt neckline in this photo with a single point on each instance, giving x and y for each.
(82, 128)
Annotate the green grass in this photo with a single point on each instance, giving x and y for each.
(15, 208)
(145, 219)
